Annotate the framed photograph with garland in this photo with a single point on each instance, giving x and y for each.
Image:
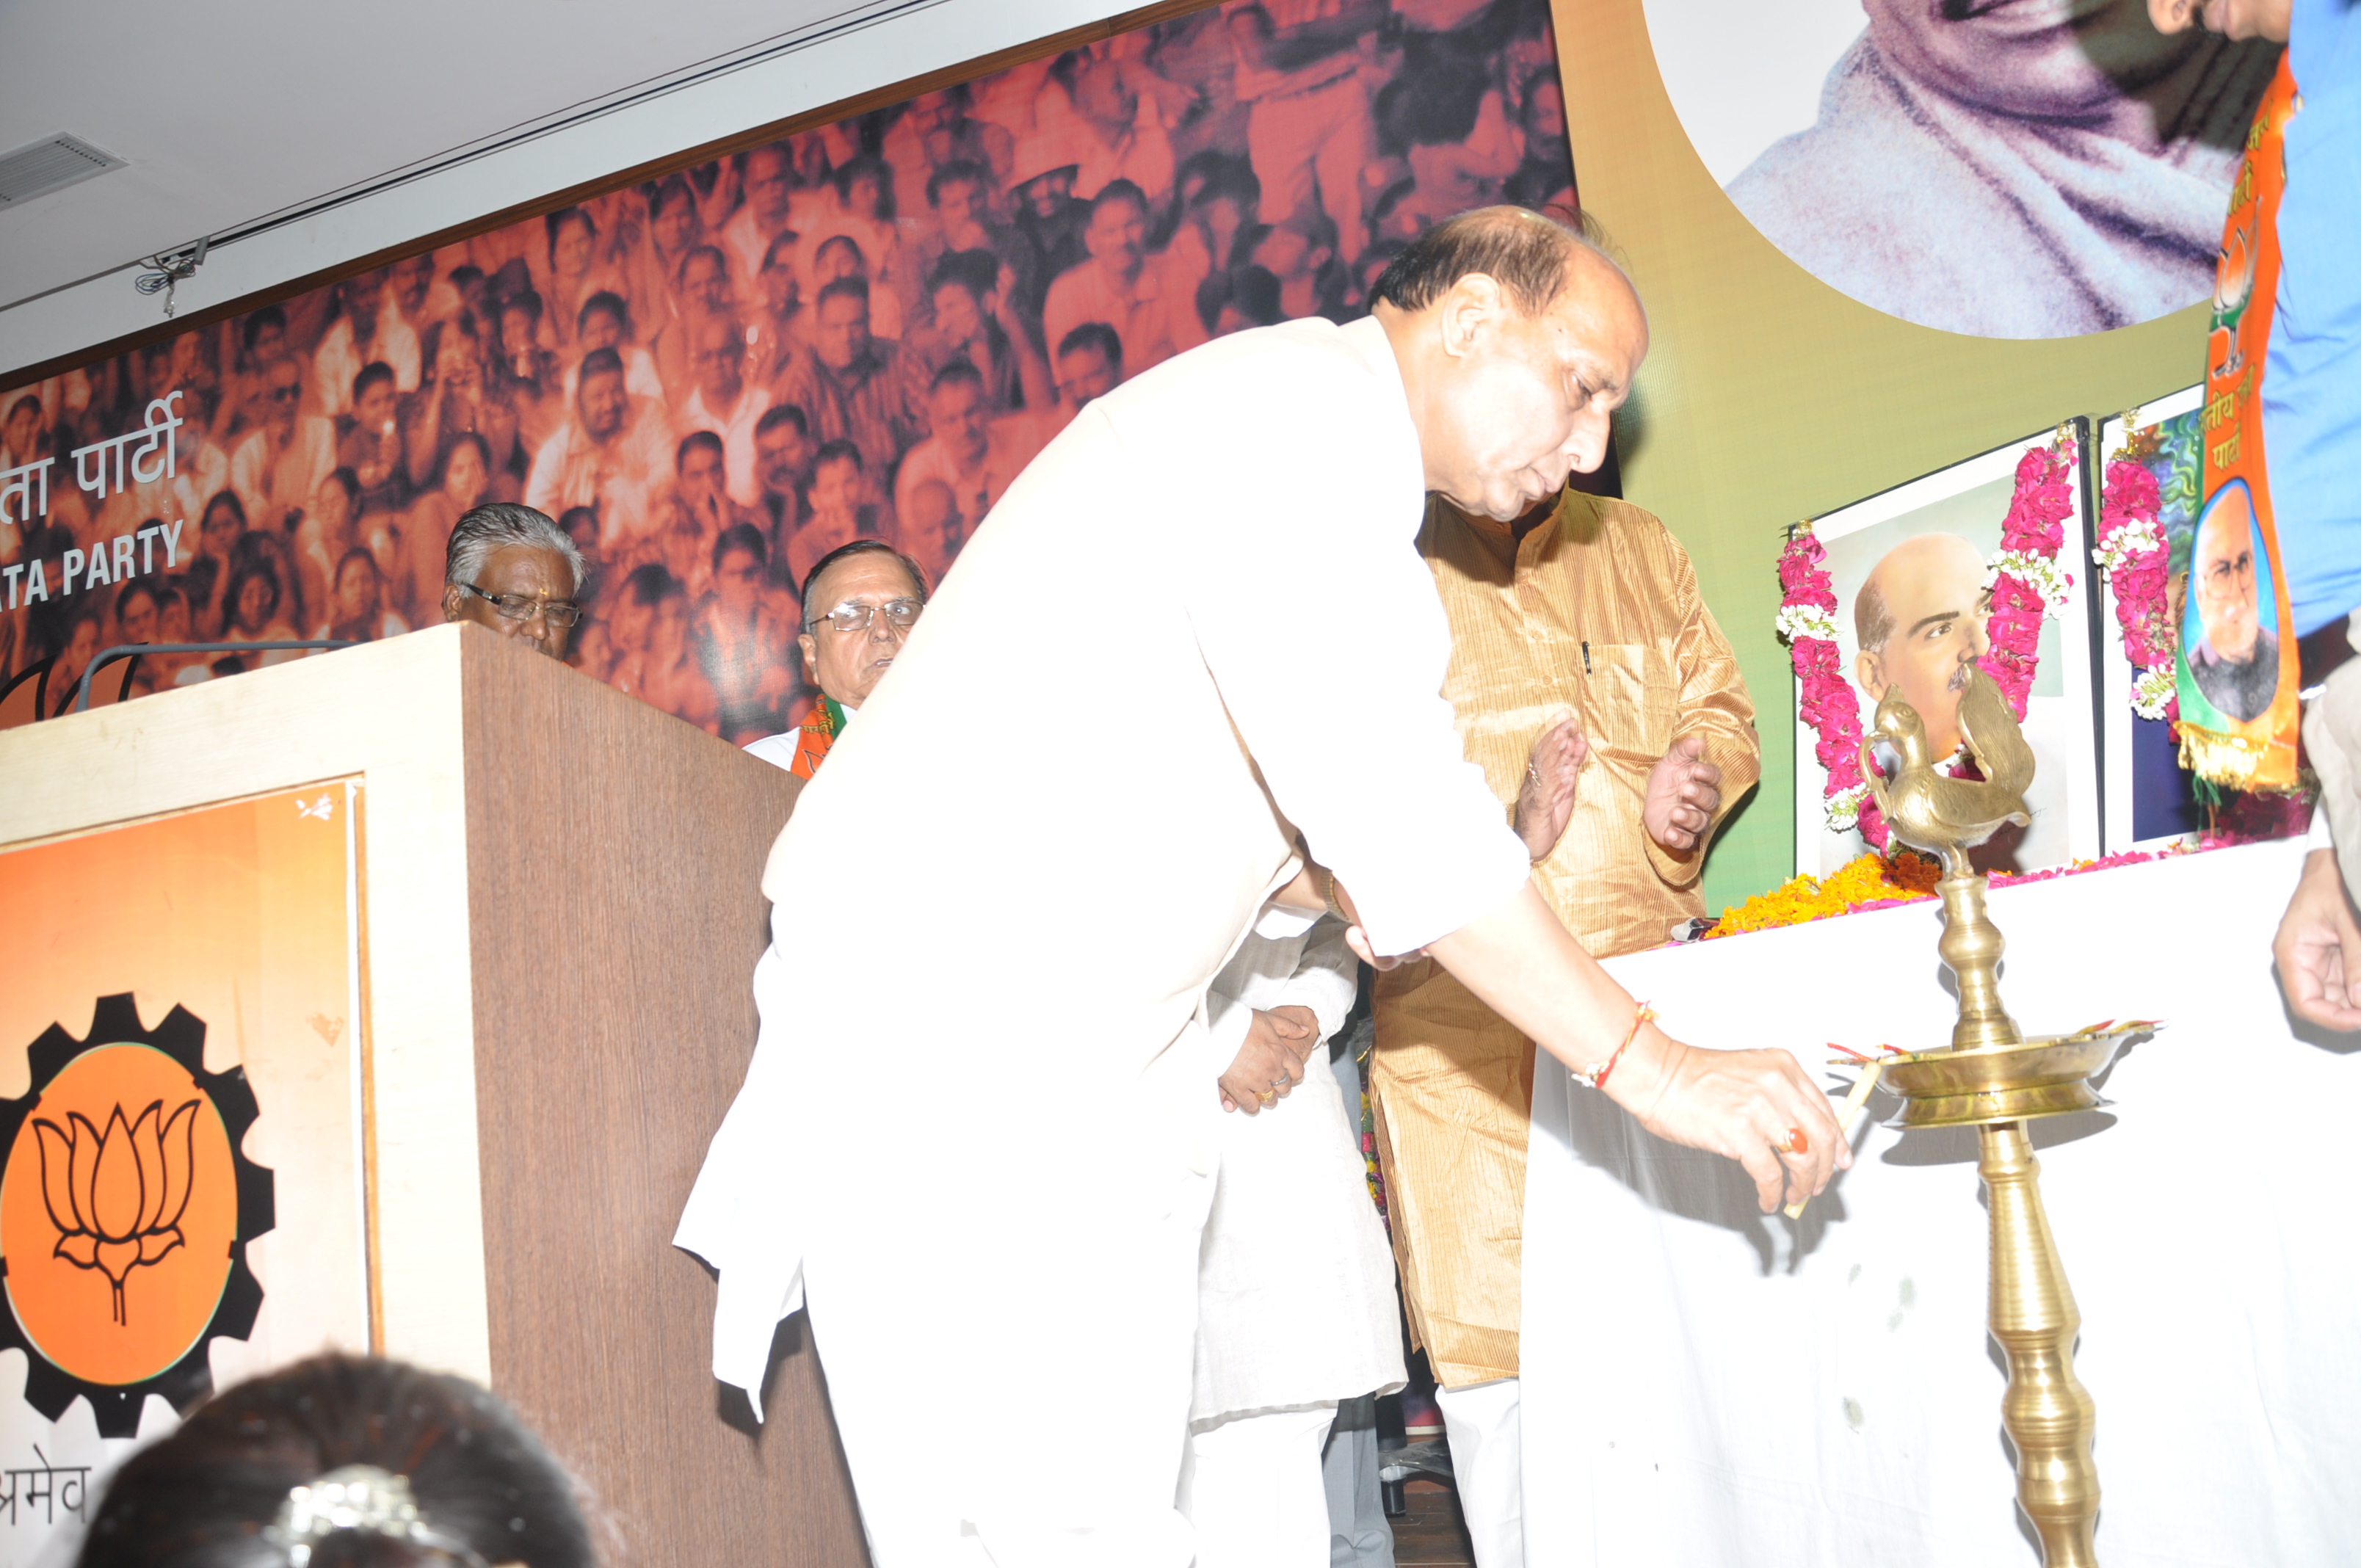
(1985, 560)
(2149, 485)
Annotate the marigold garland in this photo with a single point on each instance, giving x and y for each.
(1874, 881)
(1865, 882)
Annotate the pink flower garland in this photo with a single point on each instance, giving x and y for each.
(2027, 587)
(2131, 545)
(1806, 618)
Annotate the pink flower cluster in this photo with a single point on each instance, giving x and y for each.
(2035, 526)
(1828, 703)
(2150, 639)
(2076, 868)
(2255, 818)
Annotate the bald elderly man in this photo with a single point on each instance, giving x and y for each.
(1015, 1165)
(1919, 619)
(2237, 662)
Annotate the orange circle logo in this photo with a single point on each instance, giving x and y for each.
(125, 1210)
(123, 1171)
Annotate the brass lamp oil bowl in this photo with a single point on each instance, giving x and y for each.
(1992, 1079)
(2048, 1076)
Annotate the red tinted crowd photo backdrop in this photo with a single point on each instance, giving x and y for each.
(713, 379)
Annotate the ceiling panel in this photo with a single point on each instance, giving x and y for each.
(229, 114)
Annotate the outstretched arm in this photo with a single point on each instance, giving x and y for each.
(1529, 969)
(1524, 965)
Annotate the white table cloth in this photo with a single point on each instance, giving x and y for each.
(1704, 1385)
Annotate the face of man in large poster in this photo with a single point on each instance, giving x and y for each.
(2002, 168)
(2230, 627)
(862, 330)
(1912, 574)
(1920, 619)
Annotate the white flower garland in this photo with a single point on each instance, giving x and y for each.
(1801, 620)
(2039, 573)
(2116, 547)
(2153, 691)
(1844, 807)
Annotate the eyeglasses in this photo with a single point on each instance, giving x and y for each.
(523, 606)
(847, 617)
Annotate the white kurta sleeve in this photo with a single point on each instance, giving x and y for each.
(1327, 978)
(1289, 959)
(1324, 631)
(1226, 1021)
(738, 1217)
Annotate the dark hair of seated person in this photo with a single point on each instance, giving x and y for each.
(204, 1497)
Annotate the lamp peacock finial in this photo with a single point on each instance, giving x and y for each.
(1926, 807)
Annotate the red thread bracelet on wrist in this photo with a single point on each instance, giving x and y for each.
(1597, 1075)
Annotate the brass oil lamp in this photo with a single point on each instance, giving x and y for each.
(1992, 1079)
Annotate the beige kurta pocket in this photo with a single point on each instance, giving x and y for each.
(1629, 700)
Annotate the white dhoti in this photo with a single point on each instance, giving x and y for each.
(1295, 1281)
(1250, 1487)
(983, 1135)
(1485, 1424)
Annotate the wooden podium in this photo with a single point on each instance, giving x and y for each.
(559, 917)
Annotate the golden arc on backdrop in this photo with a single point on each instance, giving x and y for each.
(1992, 1079)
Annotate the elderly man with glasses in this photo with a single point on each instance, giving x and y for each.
(509, 568)
(860, 601)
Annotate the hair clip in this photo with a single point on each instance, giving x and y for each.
(361, 1499)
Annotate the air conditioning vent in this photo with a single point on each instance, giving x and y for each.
(50, 164)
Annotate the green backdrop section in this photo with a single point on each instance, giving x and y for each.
(1768, 396)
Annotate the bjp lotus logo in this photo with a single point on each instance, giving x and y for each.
(116, 1197)
(125, 1206)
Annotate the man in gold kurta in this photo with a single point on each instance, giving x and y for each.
(1591, 611)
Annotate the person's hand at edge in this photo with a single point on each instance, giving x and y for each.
(2318, 947)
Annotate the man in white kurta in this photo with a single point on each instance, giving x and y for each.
(979, 1136)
